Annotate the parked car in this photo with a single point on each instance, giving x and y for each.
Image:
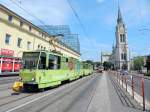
(124, 72)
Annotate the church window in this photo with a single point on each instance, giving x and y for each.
(122, 37)
(123, 56)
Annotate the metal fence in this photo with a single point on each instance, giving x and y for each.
(137, 86)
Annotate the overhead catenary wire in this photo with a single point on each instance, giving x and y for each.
(40, 21)
(80, 22)
(77, 16)
(142, 28)
(32, 15)
(27, 12)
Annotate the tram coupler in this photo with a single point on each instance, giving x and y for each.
(17, 87)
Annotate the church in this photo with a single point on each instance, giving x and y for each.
(120, 52)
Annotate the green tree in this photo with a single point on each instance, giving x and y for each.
(97, 64)
(148, 63)
(107, 65)
(138, 63)
(89, 61)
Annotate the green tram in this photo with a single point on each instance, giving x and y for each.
(42, 69)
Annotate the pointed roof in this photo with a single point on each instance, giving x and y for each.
(119, 19)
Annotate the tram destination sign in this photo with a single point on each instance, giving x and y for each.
(31, 54)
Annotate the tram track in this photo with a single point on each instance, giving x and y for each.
(14, 99)
(10, 96)
(4, 89)
(7, 81)
(1, 98)
(61, 96)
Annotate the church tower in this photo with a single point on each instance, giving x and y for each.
(122, 50)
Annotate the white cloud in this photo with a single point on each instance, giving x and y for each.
(100, 1)
(134, 13)
(49, 11)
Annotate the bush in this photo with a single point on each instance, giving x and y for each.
(147, 74)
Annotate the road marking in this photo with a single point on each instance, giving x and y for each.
(30, 101)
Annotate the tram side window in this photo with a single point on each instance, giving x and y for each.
(42, 64)
(54, 62)
(58, 62)
(51, 62)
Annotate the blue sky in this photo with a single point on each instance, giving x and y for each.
(99, 19)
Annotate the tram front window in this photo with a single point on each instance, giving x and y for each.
(30, 60)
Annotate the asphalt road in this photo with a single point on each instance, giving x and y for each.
(95, 93)
(6, 80)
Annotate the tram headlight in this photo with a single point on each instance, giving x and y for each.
(20, 78)
(33, 79)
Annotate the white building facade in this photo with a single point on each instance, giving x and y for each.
(105, 57)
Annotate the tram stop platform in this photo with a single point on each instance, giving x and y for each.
(109, 97)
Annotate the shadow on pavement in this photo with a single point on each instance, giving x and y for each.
(125, 99)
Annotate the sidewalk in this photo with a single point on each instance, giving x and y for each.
(109, 98)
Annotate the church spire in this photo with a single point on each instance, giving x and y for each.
(119, 19)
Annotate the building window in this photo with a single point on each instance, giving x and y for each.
(7, 39)
(21, 23)
(19, 42)
(41, 47)
(38, 46)
(39, 33)
(28, 45)
(123, 56)
(30, 28)
(44, 48)
(122, 37)
(10, 18)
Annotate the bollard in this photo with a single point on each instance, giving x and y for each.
(132, 84)
(126, 82)
(119, 78)
(122, 80)
(143, 92)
